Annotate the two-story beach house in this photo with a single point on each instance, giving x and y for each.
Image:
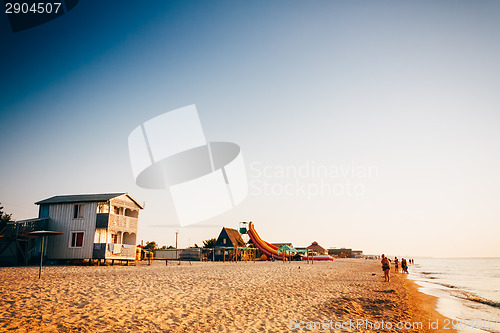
(95, 226)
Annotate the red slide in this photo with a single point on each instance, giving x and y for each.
(268, 249)
(271, 251)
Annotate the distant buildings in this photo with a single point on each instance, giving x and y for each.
(346, 253)
(341, 253)
(357, 254)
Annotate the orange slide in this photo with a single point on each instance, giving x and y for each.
(271, 251)
(268, 249)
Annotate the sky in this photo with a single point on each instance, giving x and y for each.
(362, 124)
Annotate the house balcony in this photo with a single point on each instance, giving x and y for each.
(116, 223)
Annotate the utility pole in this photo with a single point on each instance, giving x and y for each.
(176, 251)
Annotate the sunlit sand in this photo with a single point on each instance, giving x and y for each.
(206, 296)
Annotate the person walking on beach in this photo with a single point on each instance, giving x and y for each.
(386, 267)
(404, 265)
(396, 264)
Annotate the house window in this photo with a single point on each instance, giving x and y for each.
(114, 239)
(223, 241)
(78, 211)
(76, 239)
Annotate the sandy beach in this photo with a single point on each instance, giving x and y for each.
(347, 295)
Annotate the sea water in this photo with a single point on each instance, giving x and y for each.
(468, 291)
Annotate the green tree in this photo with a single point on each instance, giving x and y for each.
(209, 243)
(4, 218)
(151, 246)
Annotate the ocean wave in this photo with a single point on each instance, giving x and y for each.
(448, 285)
(477, 299)
(430, 276)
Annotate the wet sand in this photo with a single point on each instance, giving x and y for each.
(347, 295)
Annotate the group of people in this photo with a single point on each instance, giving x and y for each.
(404, 265)
(386, 266)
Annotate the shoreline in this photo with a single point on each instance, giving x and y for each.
(427, 308)
(219, 297)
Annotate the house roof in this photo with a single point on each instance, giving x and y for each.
(233, 235)
(316, 247)
(84, 198)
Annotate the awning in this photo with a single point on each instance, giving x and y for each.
(288, 249)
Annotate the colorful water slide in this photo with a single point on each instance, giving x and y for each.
(271, 251)
(268, 249)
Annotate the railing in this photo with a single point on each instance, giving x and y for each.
(122, 223)
(18, 228)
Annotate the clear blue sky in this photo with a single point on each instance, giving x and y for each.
(409, 89)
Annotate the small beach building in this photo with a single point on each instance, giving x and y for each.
(228, 243)
(230, 238)
(95, 226)
(316, 248)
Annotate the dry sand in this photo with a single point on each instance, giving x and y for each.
(202, 297)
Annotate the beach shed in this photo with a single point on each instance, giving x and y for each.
(229, 244)
(95, 226)
(229, 237)
(315, 247)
